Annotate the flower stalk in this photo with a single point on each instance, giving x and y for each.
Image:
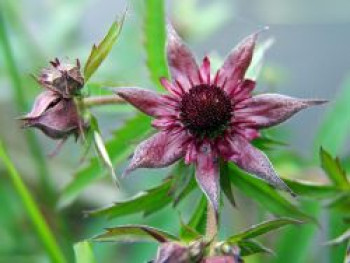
(102, 100)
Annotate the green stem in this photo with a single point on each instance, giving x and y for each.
(21, 103)
(102, 100)
(40, 225)
(212, 227)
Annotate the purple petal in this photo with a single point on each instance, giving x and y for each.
(205, 71)
(42, 103)
(207, 174)
(171, 252)
(182, 64)
(237, 62)
(267, 110)
(160, 150)
(252, 160)
(146, 101)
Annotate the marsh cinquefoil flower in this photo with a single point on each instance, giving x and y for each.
(207, 117)
(54, 111)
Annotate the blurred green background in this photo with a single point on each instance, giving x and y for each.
(309, 58)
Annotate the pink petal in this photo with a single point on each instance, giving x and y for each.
(205, 71)
(207, 174)
(182, 64)
(252, 160)
(267, 110)
(146, 101)
(160, 150)
(242, 91)
(174, 89)
(238, 61)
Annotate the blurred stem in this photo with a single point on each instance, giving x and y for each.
(103, 100)
(40, 225)
(21, 104)
(212, 225)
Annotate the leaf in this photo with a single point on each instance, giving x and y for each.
(341, 202)
(254, 69)
(83, 252)
(309, 189)
(250, 247)
(41, 227)
(225, 183)
(264, 194)
(334, 170)
(335, 127)
(99, 53)
(154, 34)
(266, 143)
(135, 233)
(119, 148)
(340, 239)
(262, 228)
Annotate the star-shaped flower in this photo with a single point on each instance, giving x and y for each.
(206, 117)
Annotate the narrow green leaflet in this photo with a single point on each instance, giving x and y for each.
(154, 34)
(99, 53)
(225, 184)
(250, 247)
(41, 227)
(262, 228)
(340, 239)
(334, 170)
(135, 233)
(119, 148)
(309, 189)
(264, 194)
(335, 127)
(83, 252)
(258, 59)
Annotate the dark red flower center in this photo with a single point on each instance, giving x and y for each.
(205, 110)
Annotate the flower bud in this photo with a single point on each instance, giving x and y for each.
(63, 78)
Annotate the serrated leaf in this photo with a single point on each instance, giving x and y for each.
(135, 233)
(83, 252)
(262, 228)
(335, 127)
(333, 169)
(119, 148)
(99, 53)
(154, 34)
(250, 247)
(309, 189)
(340, 239)
(264, 194)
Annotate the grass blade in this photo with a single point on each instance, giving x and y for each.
(83, 253)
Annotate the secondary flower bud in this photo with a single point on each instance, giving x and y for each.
(63, 78)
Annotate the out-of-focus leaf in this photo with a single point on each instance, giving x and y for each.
(225, 183)
(250, 247)
(181, 175)
(196, 224)
(309, 189)
(336, 125)
(340, 202)
(266, 143)
(99, 53)
(41, 227)
(258, 59)
(333, 169)
(264, 194)
(340, 239)
(119, 148)
(262, 228)
(83, 252)
(154, 34)
(335, 228)
(135, 233)
(347, 256)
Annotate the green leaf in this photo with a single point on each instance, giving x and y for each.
(262, 228)
(264, 194)
(333, 169)
(83, 252)
(119, 148)
(99, 53)
(225, 183)
(154, 33)
(335, 127)
(250, 247)
(41, 227)
(309, 189)
(340, 239)
(135, 233)
(341, 203)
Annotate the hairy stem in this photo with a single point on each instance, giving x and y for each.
(103, 100)
(212, 224)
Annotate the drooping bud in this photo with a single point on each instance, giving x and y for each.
(55, 116)
(63, 78)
